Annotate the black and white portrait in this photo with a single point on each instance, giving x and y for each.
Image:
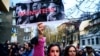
(39, 11)
(57, 13)
(21, 16)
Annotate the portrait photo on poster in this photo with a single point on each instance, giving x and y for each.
(39, 11)
(20, 12)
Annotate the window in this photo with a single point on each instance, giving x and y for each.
(83, 42)
(92, 41)
(0, 12)
(14, 14)
(13, 22)
(88, 40)
(97, 40)
(14, 30)
(0, 19)
(26, 38)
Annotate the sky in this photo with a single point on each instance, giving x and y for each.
(70, 6)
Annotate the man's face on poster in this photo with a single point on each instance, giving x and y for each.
(36, 4)
(54, 6)
(18, 9)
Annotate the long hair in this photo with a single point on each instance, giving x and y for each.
(67, 50)
(50, 46)
(34, 40)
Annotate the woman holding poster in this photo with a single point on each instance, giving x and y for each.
(39, 47)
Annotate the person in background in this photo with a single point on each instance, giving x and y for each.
(21, 51)
(39, 47)
(14, 49)
(80, 52)
(7, 42)
(28, 50)
(3, 52)
(90, 52)
(6, 47)
(70, 51)
(54, 50)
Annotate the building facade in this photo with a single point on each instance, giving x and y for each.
(91, 34)
(70, 33)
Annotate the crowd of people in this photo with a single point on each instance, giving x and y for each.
(36, 47)
(54, 49)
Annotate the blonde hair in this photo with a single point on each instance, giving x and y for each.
(41, 23)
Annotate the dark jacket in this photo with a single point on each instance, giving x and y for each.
(39, 18)
(94, 54)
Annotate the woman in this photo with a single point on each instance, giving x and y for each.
(80, 52)
(70, 51)
(28, 49)
(21, 51)
(39, 47)
(90, 52)
(54, 50)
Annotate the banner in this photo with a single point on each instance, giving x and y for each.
(39, 11)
